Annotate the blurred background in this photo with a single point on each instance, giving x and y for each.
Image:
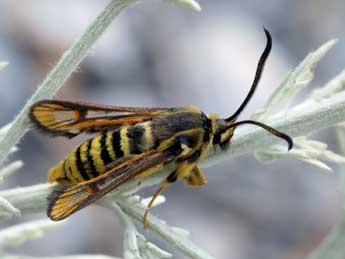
(157, 54)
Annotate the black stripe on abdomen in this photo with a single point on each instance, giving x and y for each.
(135, 135)
(116, 142)
(105, 156)
(90, 159)
(80, 165)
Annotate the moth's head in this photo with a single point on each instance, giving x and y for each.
(222, 131)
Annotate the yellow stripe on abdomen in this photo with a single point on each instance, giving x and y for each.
(109, 145)
(95, 152)
(125, 141)
(148, 136)
(72, 170)
(84, 158)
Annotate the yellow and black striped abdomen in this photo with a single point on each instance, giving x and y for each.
(91, 158)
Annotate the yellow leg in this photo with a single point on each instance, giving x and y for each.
(157, 193)
(184, 170)
(196, 178)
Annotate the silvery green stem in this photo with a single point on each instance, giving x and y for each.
(150, 250)
(130, 242)
(336, 85)
(134, 242)
(18, 234)
(10, 169)
(67, 64)
(5, 205)
(160, 228)
(8, 208)
(28, 200)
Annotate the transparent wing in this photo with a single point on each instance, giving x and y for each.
(63, 118)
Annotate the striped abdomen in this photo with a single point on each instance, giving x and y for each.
(91, 158)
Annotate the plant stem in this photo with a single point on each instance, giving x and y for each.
(166, 232)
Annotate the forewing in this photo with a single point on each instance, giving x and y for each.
(67, 199)
(63, 118)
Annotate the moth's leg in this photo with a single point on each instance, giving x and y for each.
(196, 178)
(184, 147)
(169, 180)
(182, 171)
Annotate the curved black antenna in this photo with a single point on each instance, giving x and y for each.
(268, 128)
(259, 69)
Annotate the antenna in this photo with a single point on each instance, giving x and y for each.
(259, 70)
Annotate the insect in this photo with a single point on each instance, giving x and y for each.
(133, 143)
